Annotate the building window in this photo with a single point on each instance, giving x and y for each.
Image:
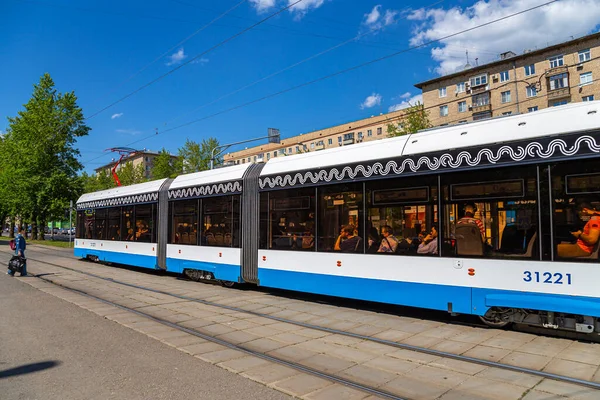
(479, 80)
(147, 168)
(274, 154)
(297, 149)
(243, 161)
(369, 133)
(462, 106)
(559, 103)
(556, 61)
(281, 152)
(379, 131)
(507, 113)
(348, 136)
(330, 141)
(268, 156)
(254, 158)
(312, 145)
(482, 99)
(559, 81)
(482, 115)
(360, 135)
(146, 159)
(531, 91)
(532, 109)
(504, 76)
(249, 159)
(460, 87)
(584, 55)
(339, 139)
(505, 96)
(585, 79)
(442, 92)
(588, 98)
(529, 70)
(290, 150)
(443, 111)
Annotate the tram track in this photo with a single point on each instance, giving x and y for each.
(392, 344)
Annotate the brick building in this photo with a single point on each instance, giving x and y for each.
(552, 76)
(363, 130)
(144, 158)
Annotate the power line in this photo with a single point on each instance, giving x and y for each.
(202, 28)
(340, 72)
(343, 71)
(194, 58)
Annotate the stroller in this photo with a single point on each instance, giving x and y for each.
(16, 264)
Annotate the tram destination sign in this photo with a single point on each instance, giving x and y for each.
(582, 183)
(487, 190)
(401, 196)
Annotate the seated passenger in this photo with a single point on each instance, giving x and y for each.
(348, 241)
(373, 241)
(130, 235)
(389, 243)
(430, 243)
(469, 218)
(586, 240)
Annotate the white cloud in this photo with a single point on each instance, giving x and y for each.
(263, 5)
(132, 132)
(564, 17)
(376, 20)
(371, 101)
(115, 116)
(406, 103)
(177, 57)
(201, 61)
(405, 95)
(299, 10)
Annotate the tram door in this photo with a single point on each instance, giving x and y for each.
(339, 205)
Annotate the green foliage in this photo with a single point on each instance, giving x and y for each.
(94, 183)
(38, 173)
(164, 166)
(415, 119)
(130, 175)
(195, 157)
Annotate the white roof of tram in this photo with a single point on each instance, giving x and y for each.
(120, 191)
(568, 118)
(230, 173)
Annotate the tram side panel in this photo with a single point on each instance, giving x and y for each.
(128, 253)
(222, 262)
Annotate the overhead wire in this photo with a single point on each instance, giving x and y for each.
(340, 72)
(214, 47)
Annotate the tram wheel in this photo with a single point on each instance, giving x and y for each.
(496, 317)
(228, 284)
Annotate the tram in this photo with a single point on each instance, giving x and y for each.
(497, 218)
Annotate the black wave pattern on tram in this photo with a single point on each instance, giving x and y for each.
(206, 190)
(119, 201)
(543, 149)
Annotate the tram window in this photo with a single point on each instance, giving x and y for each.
(185, 222)
(143, 223)
(80, 231)
(127, 224)
(217, 221)
(491, 214)
(576, 210)
(340, 218)
(401, 214)
(288, 220)
(114, 223)
(100, 224)
(235, 221)
(89, 224)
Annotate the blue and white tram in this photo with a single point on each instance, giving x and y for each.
(479, 216)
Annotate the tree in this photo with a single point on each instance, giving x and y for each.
(164, 166)
(40, 159)
(130, 175)
(415, 118)
(94, 183)
(195, 157)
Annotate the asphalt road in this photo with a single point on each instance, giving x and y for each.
(52, 349)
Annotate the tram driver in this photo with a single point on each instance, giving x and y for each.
(348, 241)
(587, 240)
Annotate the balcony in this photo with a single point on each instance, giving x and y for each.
(348, 141)
(557, 70)
(559, 93)
(480, 89)
(481, 108)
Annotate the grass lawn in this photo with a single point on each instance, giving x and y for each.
(55, 243)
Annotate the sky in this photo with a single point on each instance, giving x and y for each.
(150, 74)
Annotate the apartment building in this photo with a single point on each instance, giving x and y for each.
(552, 76)
(363, 130)
(144, 158)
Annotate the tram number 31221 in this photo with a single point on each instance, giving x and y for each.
(547, 277)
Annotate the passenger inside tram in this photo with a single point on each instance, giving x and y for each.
(389, 243)
(373, 241)
(586, 244)
(348, 241)
(469, 218)
(430, 243)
